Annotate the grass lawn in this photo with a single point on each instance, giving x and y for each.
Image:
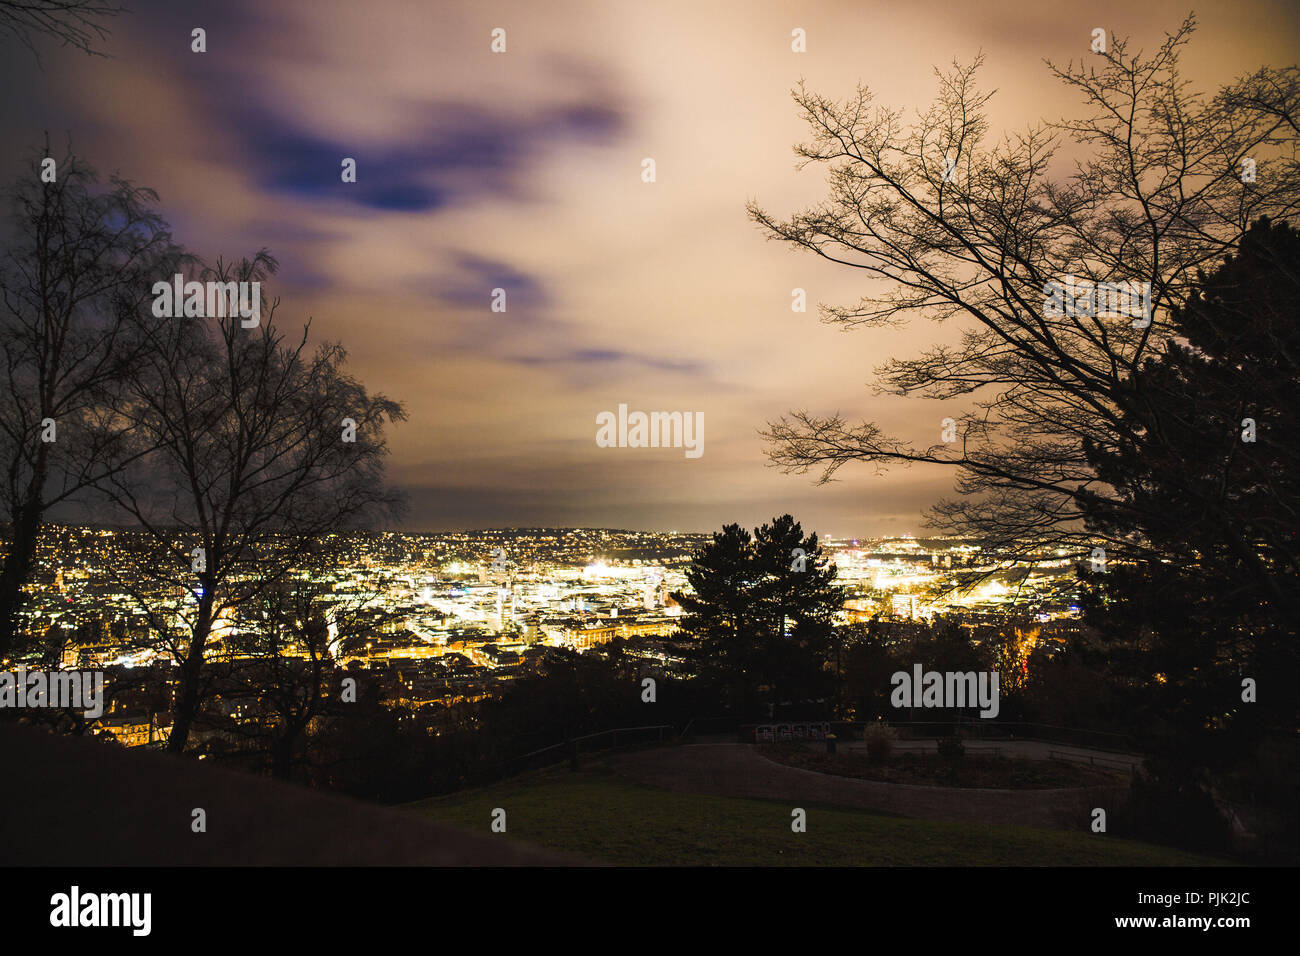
(601, 817)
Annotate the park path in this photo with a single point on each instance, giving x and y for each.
(737, 770)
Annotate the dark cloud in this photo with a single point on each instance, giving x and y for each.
(453, 152)
(609, 357)
(437, 152)
(472, 279)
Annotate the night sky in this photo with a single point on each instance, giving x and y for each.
(523, 171)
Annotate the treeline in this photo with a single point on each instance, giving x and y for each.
(1146, 671)
(378, 749)
(1153, 440)
(229, 443)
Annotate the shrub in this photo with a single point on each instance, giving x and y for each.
(880, 739)
(1167, 807)
(951, 748)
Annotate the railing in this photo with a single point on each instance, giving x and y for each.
(1091, 760)
(712, 725)
(974, 729)
(574, 747)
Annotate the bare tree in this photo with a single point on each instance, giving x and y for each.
(284, 649)
(78, 23)
(973, 231)
(262, 446)
(74, 278)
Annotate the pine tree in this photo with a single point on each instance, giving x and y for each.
(763, 609)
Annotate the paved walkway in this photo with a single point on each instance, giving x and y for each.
(737, 770)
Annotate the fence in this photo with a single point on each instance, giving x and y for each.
(969, 727)
(1091, 760)
(573, 748)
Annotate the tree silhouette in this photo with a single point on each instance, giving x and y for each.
(252, 464)
(719, 611)
(282, 650)
(75, 277)
(1208, 474)
(763, 609)
(77, 23)
(966, 230)
(1210, 592)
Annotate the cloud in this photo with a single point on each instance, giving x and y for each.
(611, 357)
(470, 279)
(439, 154)
(522, 172)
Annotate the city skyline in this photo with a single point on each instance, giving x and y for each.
(451, 619)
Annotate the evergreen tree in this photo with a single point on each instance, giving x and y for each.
(1203, 591)
(763, 608)
(1207, 493)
